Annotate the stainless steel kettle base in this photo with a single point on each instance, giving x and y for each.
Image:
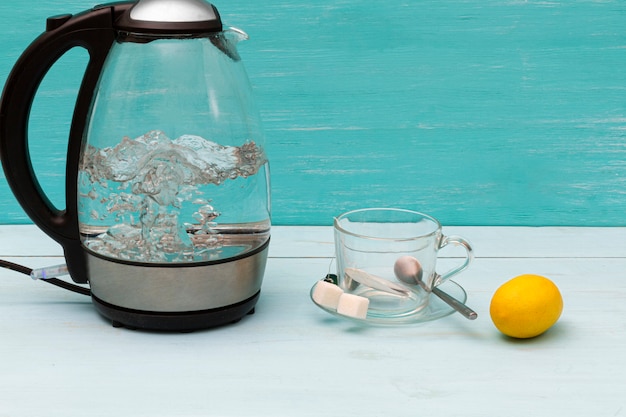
(175, 321)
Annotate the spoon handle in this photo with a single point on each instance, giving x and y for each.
(455, 304)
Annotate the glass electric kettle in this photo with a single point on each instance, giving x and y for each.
(167, 184)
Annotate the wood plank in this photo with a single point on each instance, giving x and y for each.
(290, 354)
(510, 242)
(478, 112)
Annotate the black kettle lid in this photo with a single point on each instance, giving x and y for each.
(170, 17)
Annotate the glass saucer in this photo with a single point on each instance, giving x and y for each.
(435, 309)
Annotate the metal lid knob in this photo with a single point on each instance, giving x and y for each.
(171, 17)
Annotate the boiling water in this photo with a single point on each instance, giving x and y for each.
(153, 199)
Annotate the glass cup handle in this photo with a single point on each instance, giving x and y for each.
(456, 241)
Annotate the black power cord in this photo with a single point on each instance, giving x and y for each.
(54, 281)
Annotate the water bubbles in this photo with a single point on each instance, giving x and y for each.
(155, 177)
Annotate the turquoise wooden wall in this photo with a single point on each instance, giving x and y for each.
(480, 112)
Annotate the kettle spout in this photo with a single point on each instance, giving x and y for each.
(236, 35)
(227, 40)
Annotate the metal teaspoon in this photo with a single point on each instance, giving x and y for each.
(408, 269)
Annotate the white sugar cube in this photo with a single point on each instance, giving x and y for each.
(353, 305)
(327, 294)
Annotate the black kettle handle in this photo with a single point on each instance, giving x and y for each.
(94, 31)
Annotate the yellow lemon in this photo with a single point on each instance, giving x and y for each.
(526, 306)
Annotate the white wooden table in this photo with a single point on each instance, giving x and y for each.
(59, 358)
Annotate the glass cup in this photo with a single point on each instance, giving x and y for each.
(369, 242)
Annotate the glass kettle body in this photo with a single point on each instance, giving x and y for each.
(168, 203)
